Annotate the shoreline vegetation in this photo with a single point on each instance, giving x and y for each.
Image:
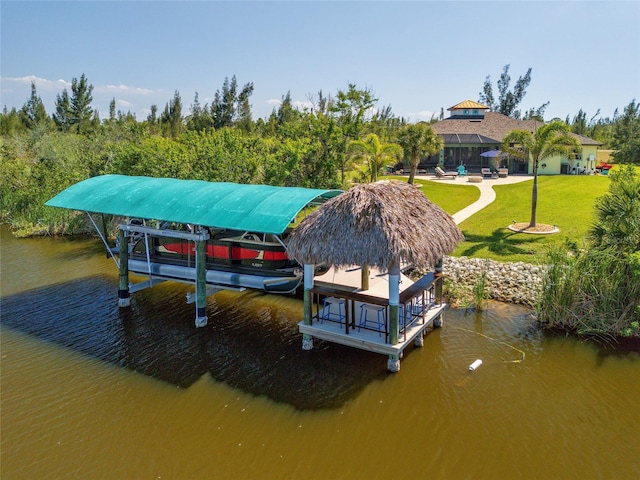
(592, 286)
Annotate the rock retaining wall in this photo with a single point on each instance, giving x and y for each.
(517, 282)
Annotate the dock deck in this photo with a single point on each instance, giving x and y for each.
(419, 310)
(366, 339)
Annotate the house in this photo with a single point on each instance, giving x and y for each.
(471, 129)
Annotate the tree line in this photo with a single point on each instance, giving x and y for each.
(337, 139)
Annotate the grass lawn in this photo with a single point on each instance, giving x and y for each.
(566, 201)
(451, 196)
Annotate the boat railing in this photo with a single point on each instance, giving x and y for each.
(354, 311)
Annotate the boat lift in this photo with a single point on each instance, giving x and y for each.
(223, 205)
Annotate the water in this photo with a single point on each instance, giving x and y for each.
(92, 391)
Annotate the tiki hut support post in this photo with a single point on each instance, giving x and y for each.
(123, 287)
(307, 340)
(393, 364)
(201, 283)
(364, 277)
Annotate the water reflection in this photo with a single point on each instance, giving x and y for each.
(251, 341)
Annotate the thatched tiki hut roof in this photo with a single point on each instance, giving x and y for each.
(378, 224)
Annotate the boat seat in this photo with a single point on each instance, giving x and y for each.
(372, 316)
(333, 309)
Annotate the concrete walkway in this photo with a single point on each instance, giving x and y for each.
(487, 194)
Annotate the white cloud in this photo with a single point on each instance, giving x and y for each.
(297, 104)
(57, 85)
(124, 103)
(41, 83)
(302, 104)
(123, 90)
(422, 115)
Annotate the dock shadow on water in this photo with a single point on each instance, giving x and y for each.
(251, 341)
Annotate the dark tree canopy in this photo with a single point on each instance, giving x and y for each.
(231, 107)
(33, 112)
(171, 118)
(80, 103)
(509, 100)
(75, 111)
(626, 135)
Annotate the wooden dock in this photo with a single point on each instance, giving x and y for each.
(338, 307)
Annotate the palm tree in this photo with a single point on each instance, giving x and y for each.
(419, 141)
(373, 154)
(554, 138)
(618, 213)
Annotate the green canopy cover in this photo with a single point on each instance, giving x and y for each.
(258, 208)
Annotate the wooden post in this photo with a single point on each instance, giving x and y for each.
(123, 285)
(393, 363)
(364, 277)
(201, 283)
(438, 280)
(307, 340)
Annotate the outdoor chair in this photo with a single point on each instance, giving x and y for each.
(442, 174)
(486, 172)
(462, 171)
(372, 316)
(333, 309)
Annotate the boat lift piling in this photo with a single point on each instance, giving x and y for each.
(200, 238)
(307, 340)
(201, 282)
(123, 286)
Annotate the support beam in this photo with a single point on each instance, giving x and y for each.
(393, 363)
(307, 340)
(192, 298)
(201, 283)
(364, 277)
(157, 232)
(123, 284)
(136, 287)
(394, 303)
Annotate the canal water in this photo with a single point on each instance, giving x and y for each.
(92, 391)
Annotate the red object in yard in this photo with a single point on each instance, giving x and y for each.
(604, 166)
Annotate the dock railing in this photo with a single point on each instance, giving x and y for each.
(347, 308)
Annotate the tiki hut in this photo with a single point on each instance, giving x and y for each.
(382, 224)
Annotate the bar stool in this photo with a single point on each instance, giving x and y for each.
(419, 306)
(404, 314)
(380, 316)
(333, 309)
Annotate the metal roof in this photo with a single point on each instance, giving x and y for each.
(258, 208)
(469, 104)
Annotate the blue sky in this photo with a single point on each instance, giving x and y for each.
(416, 56)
